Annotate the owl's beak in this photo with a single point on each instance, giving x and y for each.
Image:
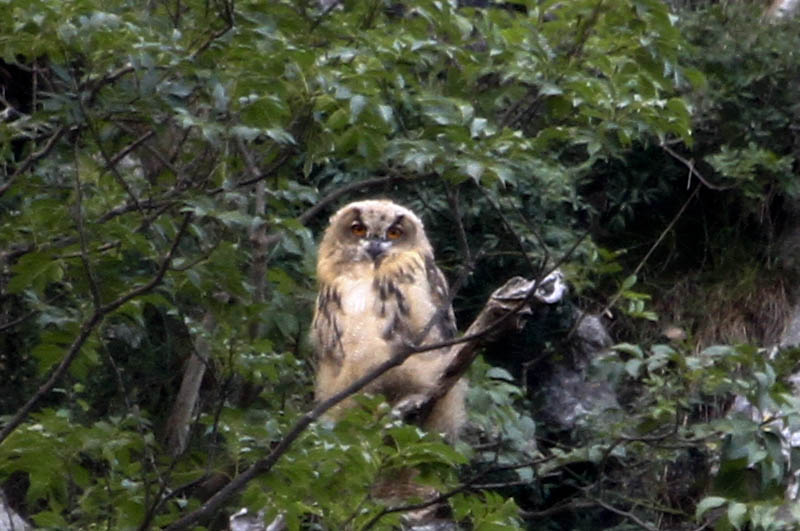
(375, 248)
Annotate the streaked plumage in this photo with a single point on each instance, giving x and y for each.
(379, 287)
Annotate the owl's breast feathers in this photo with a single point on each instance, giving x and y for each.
(377, 305)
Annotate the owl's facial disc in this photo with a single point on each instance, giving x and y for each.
(375, 233)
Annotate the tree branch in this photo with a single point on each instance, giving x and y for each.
(650, 251)
(111, 162)
(80, 225)
(502, 312)
(33, 157)
(86, 329)
(306, 216)
(227, 15)
(179, 422)
(689, 163)
(625, 514)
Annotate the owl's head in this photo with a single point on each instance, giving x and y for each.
(371, 230)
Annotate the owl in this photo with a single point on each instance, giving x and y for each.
(379, 289)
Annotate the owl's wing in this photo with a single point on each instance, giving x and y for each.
(440, 296)
(325, 330)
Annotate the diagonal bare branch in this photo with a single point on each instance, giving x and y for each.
(33, 157)
(88, 327)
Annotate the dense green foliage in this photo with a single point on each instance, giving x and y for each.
(167, 166)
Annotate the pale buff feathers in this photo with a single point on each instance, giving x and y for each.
(367, 308)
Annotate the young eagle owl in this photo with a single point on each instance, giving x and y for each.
(379, 288)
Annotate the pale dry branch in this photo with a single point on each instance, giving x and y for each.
(179, 421)
(503, 312)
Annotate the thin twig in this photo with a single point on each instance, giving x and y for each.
(455, 210)
(630, 516)
(153, 151)
(653, 247)
(280, 160)
(150, 204)
(211, 38)
(571, 506)
(111, 164)
(100, 249)
(518, 240)
(79, 221)
(19, 320)
(469, 484)
(122, 153)
(689, 163)
(25, 317)
(639, 266)
(32, 158)
(95, 86)
(422, 505)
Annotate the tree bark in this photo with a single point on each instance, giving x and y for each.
(180, 418)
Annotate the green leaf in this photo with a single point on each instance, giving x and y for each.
(35, 271)
(628, 283)
(280, 135)
(633, 367)
(386, 113)
(498, 373)
(337, 120)
(628, 348)
(357, 104)
(715, 351)
(708, 503)
(50, 520)
(246, 133)
(550, 89)
(220, 97)
(474, 169)
(737, 514)
(478, 127)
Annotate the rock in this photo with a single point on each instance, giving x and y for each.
(569, 392)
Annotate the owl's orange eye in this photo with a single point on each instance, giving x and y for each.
(358, 229)
(394, 232)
